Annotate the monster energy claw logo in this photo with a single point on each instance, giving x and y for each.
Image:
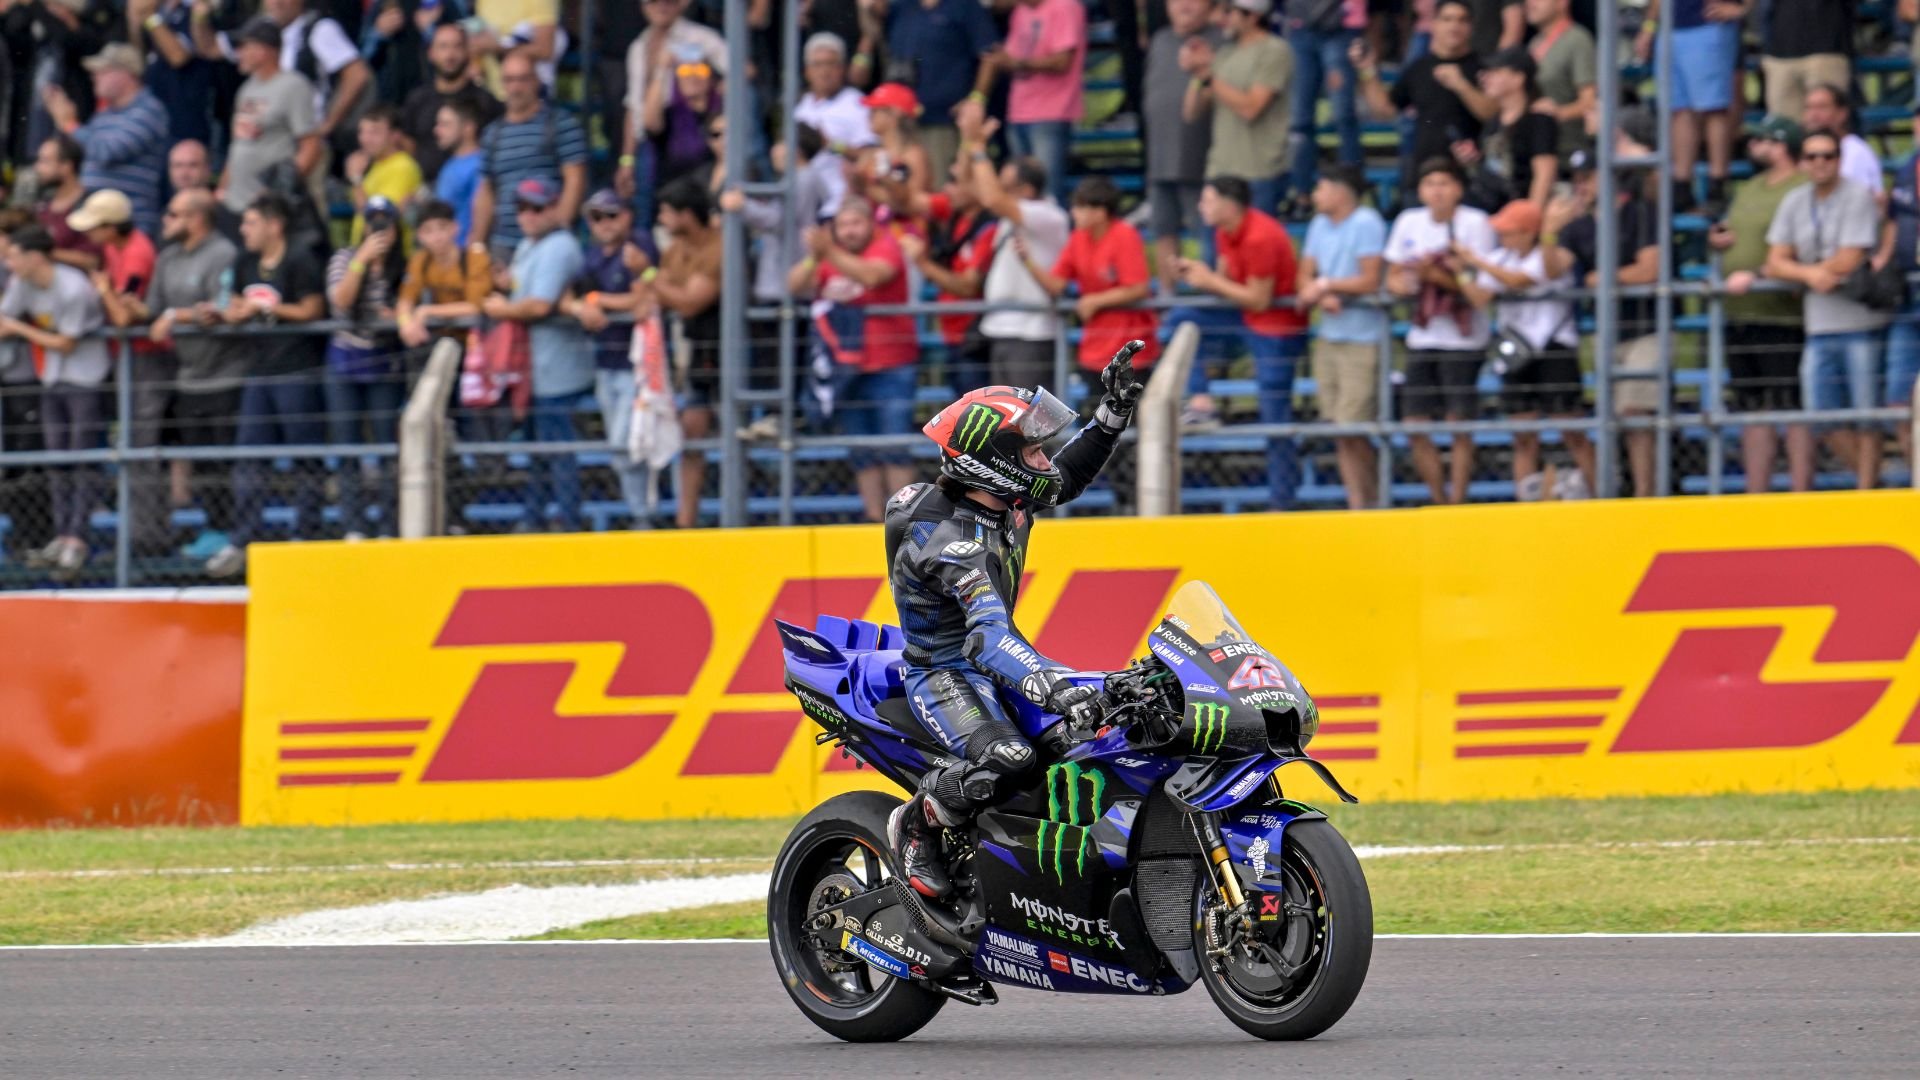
(977, 425)
(1040, 486)
(1209, 726)
(1063, 784)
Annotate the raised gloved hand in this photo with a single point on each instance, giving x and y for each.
(1052, 692)
(1123, 388)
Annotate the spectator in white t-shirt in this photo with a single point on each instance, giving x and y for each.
(1448, 339)
(1020, 343)
(834, 109)
(1829, 108)
(1538, 351)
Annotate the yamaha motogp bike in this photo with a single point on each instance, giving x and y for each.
(1153, 853)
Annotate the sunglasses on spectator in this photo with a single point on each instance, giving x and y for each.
(693, 71)
(1820, 155)
(602, 215)
(527, 208)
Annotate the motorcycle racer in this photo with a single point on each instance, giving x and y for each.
(955, 552)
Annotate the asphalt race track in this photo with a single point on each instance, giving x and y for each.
(1757, 1006)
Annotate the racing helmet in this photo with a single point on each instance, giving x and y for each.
(983, 436)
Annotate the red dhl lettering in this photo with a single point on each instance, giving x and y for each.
(508, 728)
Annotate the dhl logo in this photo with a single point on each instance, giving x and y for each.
(1708, 692)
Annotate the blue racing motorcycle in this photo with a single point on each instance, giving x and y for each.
(1156, 852)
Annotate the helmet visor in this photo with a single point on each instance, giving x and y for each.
(1044, 417)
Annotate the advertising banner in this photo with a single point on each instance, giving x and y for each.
(1584, 649)
(119, 711)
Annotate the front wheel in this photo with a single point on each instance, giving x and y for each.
(1304, 965)
(837, 851)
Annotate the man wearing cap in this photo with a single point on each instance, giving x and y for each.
(534, 140)
(1247, 87)
(55, 311)
(318, 49)
(127, 257)
(1764, 332)
(893, 113)
(546, 263)
(834, 109)
(126, 139)
(611, 266)
(273, 118)
(942, 43)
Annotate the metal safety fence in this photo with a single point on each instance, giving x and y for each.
(159, 496)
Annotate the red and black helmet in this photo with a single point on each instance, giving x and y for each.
(983, 434)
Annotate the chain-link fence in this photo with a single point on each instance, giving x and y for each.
(153, 481)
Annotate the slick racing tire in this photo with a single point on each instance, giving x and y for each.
(1325, 938)
(839, 850)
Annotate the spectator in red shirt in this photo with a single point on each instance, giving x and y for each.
(851, 266)
(1256, 275)
(1106, 259)
(105, 219)
(954, 255)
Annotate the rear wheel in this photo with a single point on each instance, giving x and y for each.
(1301, 971)
(837, 851)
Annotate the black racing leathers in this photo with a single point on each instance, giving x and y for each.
(955, 568)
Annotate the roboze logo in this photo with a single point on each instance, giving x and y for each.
(1209, 726)
(1078, 929)
(1178, 644)
(505, 725)
(1119, 978)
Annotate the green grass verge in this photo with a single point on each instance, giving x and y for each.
(1588, 887)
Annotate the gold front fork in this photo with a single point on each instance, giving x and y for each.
(1229, 882)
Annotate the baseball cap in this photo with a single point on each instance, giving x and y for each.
(1778, 129)
(535, 192)
(118, 55)
(1520, 215)
(896, 96)
(259, 30)
(1581, 159)
(1254, 7)
(605, 201)
(379, 213)
(106, 207)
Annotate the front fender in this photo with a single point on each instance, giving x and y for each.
(1254, 834)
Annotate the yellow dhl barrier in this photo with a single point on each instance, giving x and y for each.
(1583, 649)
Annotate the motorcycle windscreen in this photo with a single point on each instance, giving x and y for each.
(1239, 698)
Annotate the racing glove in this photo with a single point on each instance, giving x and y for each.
(1052, 692)
(1123, 389)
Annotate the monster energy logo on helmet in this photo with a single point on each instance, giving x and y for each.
(1063, 785)
(1040, 486)
(1209, 726)
(977, 425)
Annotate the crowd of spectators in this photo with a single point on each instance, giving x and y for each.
(408, 171)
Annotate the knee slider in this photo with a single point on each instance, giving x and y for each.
(999, 758)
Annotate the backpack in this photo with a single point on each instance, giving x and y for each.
(345, 138)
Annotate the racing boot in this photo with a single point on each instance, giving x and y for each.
(914, 832)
